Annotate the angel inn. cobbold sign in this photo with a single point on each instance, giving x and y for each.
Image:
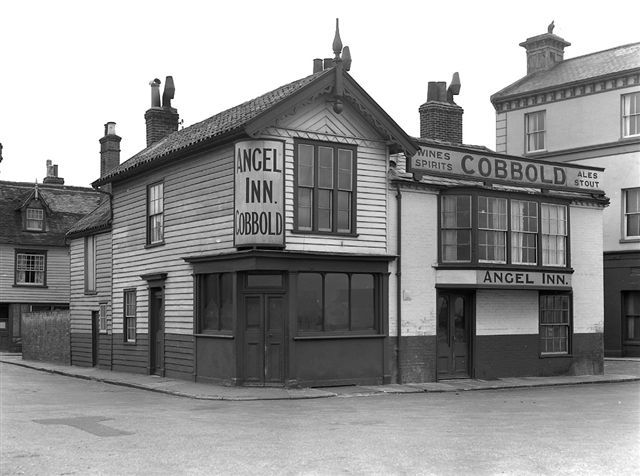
(449, 162)
(259, 193)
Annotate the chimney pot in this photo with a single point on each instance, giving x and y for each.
(317, 65)
(110, 129)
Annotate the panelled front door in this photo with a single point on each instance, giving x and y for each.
(156, 331)
(264, 338)
(454, 323)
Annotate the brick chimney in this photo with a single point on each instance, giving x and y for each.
(109, 149)
(440, 116)
(52, 175)
(544, 51)
(163, 119)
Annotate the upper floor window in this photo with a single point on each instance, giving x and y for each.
(488, 229)
(535, 131)
(631, 114)
(31, 268)
(155, 213)
(325, 188)
(90, 264)
(455, 235)
(35, 219)
(631, 207)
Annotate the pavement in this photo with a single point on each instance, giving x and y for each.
(616, 370)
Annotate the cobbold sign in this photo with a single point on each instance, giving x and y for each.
(259, 193)
(504, 169)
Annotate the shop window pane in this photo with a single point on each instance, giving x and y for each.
(210, 303)
(226, 305)
(336, 302)
(309, 301)
(362, 302)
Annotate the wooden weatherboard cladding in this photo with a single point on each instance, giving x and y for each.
(259, 193)
(489, 167)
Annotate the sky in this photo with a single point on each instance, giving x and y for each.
(68, 67)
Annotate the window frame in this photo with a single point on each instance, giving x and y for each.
(30, 252)
(150, 242)
(475, 261)
(567, 325)
(627, 119)
(127, 318)
(378, 301)
(40, 220)
(625, 215)
(90, 265)
(537, 133)
(335, 189)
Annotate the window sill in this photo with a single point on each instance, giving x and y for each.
(215, 336)
(91, 293)
(324, 233)
(630, 240)
(505, 267)
(336, 337)
(32, 286)
(153, 245)
(129, 342)
(555, 355)
(533, 153)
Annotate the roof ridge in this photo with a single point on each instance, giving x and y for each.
(596, 53)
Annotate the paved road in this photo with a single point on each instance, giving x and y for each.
(53, 424)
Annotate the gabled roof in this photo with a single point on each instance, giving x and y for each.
(65, 206)
(247, 118)
(621, 59)
(97, 221)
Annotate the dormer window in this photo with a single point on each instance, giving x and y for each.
(35, 219)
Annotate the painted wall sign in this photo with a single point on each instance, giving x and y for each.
(259, 193)
(503, 169)
(533, 279)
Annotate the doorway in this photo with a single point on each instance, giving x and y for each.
(454, 311)
(156, 331)
(95, 337)
(264, 338)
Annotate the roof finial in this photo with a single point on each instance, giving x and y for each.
(551, 27)
(337, 42)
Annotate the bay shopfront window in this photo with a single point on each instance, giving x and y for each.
(269, 317)
(478, 228)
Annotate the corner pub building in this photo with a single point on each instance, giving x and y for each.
(293, 240)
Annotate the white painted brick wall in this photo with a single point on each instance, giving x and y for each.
(505, 312)
(586, 260)
(419, 255)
